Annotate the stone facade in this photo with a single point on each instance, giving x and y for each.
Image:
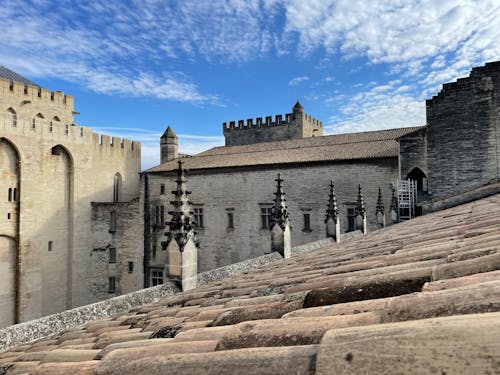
(242, 194)
(464, 132)
(51, 171)
(294, 125)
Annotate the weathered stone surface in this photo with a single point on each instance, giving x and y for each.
(455, 345)
(299, 360)
(288, 332)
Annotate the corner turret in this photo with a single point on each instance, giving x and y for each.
(169, 146)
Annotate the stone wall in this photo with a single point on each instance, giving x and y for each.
(290, 126)
(62, 168)
(413, 153)
(117, 249)
(463, 132)
(244, 192)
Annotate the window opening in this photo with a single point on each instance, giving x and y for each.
(112, 255)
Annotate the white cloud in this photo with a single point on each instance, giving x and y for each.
(297, 80)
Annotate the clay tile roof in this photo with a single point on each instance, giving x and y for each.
(352, 146)
(411, 298)
(13, 76)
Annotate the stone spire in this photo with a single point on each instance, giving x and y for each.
(380, 209)
(181, 244)
(298, 108)
(280, 223)
(361, 211)
(394, 206)
(332, 215)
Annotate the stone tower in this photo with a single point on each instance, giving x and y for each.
(169, 146)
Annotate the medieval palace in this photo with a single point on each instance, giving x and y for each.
(80, 222)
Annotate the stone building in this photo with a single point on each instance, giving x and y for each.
(51, 170)
(233, 186)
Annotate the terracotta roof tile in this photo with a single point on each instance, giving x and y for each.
(353, 146)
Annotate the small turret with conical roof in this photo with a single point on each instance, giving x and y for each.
(169, 146)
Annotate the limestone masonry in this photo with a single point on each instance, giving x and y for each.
(51, 170)
(80, 223)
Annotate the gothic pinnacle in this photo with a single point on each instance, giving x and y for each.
(332, 211)
(380, 203)
(279, 213)
(360, 208)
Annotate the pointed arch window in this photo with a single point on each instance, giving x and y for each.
(12, 117)
(55, 121)
(37, 121)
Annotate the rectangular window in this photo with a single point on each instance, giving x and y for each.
(112, 255)
(8, 216)
(156, 278)
(14, 194)
(162, 216)
(50, 246)
(307, 222)
(162, 188)
(198, 217)
(157, 216)
(112, 284)
(265, 216)
(130, 267)
(112, 221)
(230, 219)
(9, 195)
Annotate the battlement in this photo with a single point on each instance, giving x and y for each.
(63, 133)
(34, 93)
(293, 125)
(480, 78)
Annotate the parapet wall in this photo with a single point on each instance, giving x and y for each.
(62, 133)
(36, 94)
(270, 129)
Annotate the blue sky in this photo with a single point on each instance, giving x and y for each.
(135, 67)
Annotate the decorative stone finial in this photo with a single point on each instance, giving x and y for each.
(361, 212)
(181, 244)
(279, 213)
(360, 207)
(332, 215)
(332, 211)
(379, 208)
(280, 224)
(180, 227)
(394, 206)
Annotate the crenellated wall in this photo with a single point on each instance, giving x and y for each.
(294, 125)
(464, 132)
(62, 168)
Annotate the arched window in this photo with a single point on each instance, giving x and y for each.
(37, 121)
(117, 187)
(416, 174)
(12, 117)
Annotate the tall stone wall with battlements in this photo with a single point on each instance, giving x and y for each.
(54, 169)
(463, 134)
(293, 125)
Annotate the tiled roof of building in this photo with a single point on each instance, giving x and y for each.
(352, 146)
(417, 297)
(13, 76)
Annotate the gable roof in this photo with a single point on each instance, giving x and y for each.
(341, 147)
(13, 76)
(412, 286)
